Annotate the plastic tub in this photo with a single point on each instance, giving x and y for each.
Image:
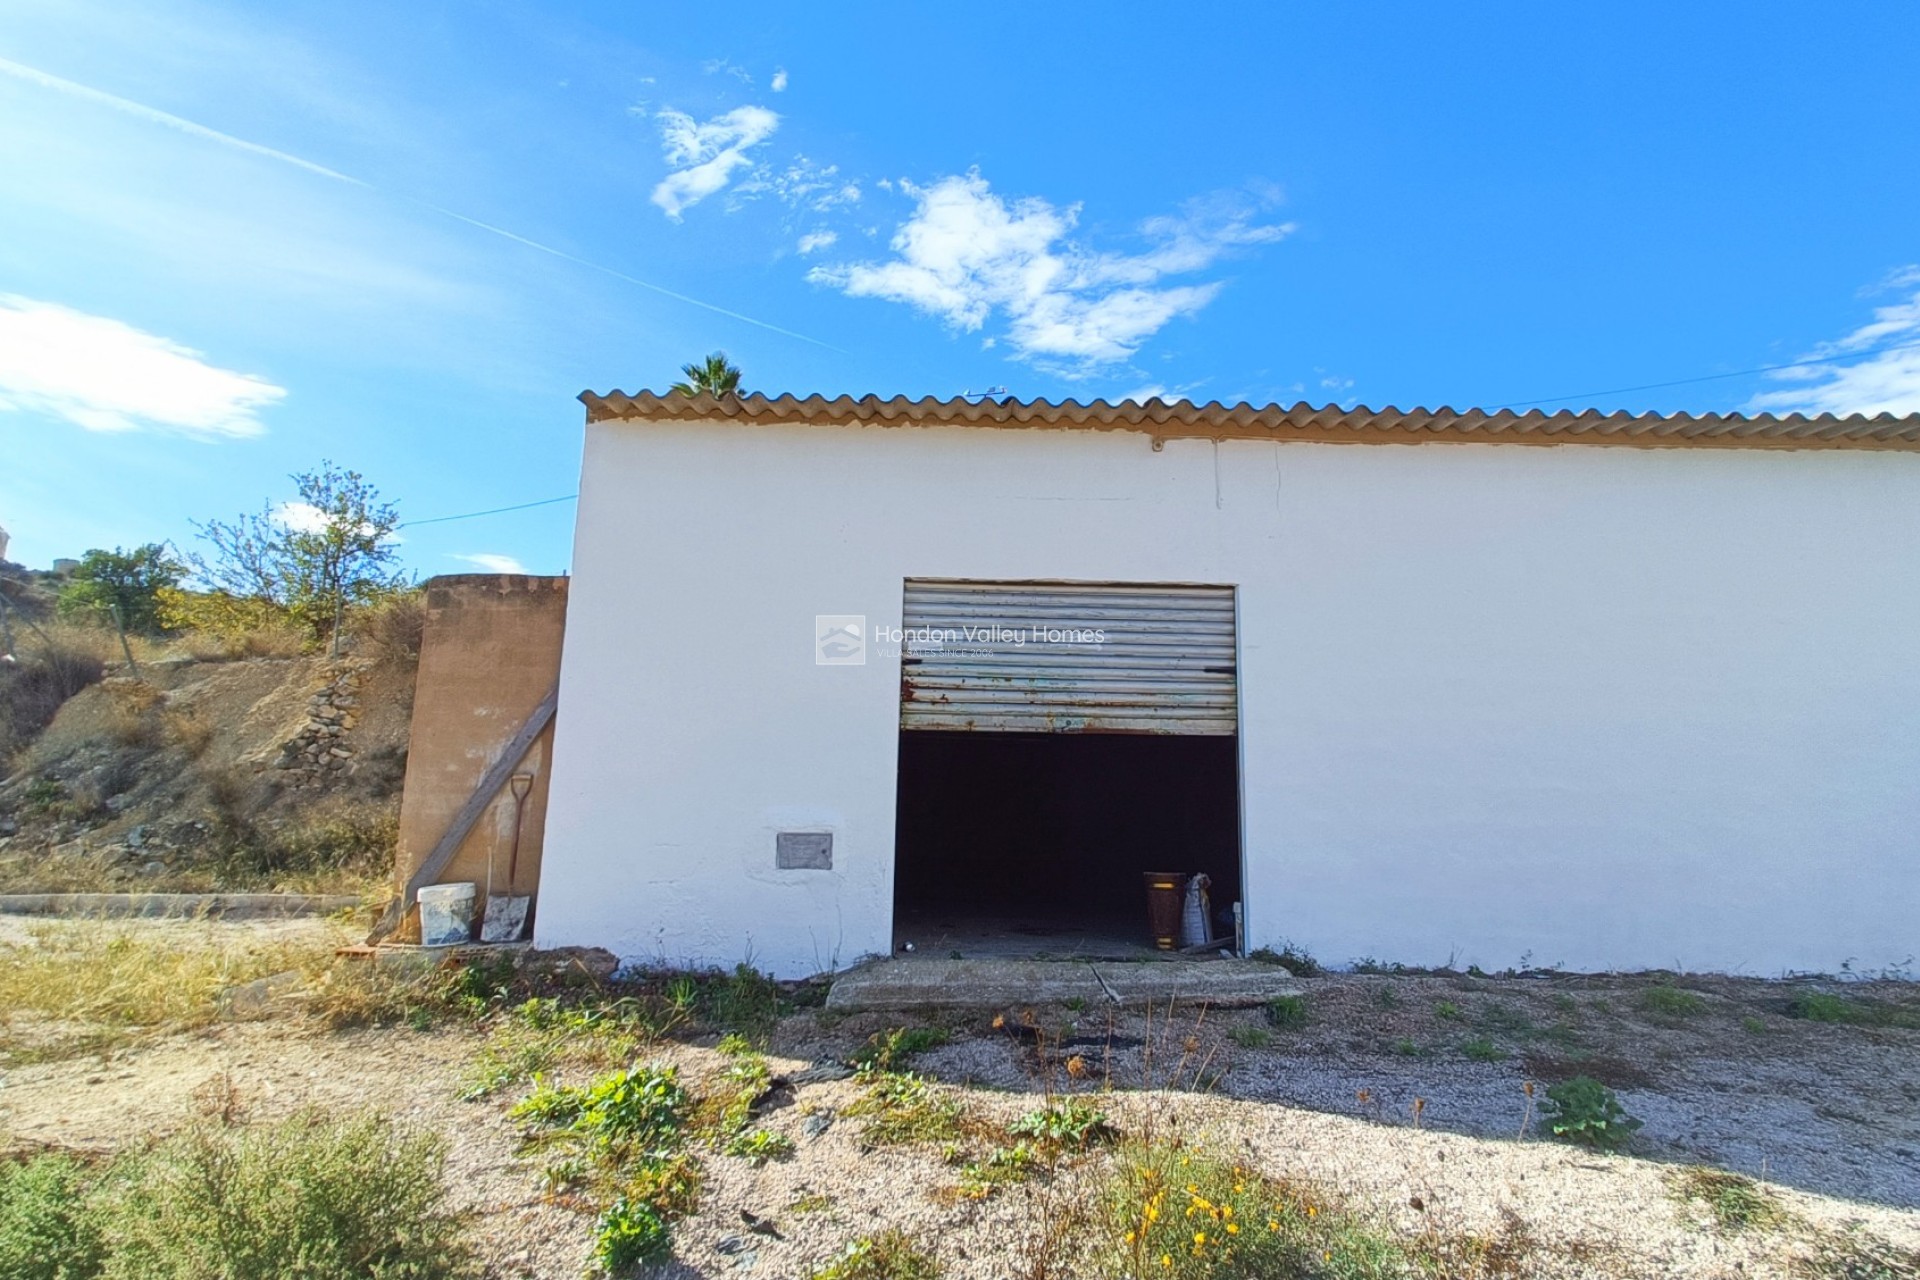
(446, 914)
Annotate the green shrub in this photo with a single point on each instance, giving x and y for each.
(47, 1229)
(629, 1234)
(1584, 1111)
(1069, 1122)
(316, 1198)
(1251, 1037)
(1448, 1011)
(128, 582)
(1818, 1006)
(1288, 1013)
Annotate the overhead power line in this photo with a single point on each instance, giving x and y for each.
(496, 511)
(1707, 377)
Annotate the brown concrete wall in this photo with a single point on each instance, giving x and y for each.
(490, 653)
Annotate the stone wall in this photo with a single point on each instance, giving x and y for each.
(321, 754)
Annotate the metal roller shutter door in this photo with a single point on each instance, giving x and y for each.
(1052, 657)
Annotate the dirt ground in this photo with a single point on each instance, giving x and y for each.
(1827, 1114)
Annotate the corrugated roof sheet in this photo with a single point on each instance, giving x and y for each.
(1172, 420)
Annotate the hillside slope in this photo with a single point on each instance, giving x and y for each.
(256, 772)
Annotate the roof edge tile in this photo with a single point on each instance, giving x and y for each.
(1175, 419)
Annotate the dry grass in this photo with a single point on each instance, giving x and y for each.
(88, 985)
(38, 871)
(391, 630)
(52, 664)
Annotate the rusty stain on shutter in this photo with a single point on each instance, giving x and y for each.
(1057, 657)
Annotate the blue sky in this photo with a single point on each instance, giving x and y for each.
(235, 239)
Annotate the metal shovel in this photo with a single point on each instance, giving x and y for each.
(506, 917)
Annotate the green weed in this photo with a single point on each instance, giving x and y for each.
(1291, 958)
(758, 1146)
(891, 1050)
(891, 1255)
(1737, 1203)
(1586, 1112)
(1481, 1049)
(903, 1109)
(629, 1234)
(1170, 1210)
(1288, 1013)
(1067, 1122)
(1251, 1037)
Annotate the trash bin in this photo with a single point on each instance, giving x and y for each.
(1166, 896)
(446, 914)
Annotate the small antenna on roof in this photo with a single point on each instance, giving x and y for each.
(991, 393)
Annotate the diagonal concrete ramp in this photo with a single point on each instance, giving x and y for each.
(927, 983)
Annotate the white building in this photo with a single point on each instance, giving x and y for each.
(1607, 692)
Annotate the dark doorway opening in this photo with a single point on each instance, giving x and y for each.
(1023, 843)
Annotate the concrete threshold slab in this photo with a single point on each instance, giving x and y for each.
(917, 983)
(227, 906)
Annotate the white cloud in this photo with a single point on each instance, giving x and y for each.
(818, 240)
(104, 375)
(966, 255)
(493, 563)
(1155, 391)
(713, 66)
(779, 82)
(304, 517)
(1885, 382)
(704, 157)
(801, 185)
(301, 517)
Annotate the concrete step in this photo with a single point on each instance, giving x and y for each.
(913, 982)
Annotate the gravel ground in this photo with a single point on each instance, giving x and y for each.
(1827, 1113)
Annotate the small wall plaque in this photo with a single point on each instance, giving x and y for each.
(803, 851)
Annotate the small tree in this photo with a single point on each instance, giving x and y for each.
(713, 376)
(329, 548)
(131, 581)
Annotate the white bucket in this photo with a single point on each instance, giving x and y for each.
(446, 914)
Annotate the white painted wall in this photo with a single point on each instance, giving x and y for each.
(1607, 707)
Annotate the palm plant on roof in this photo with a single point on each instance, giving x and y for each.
(713, 376)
